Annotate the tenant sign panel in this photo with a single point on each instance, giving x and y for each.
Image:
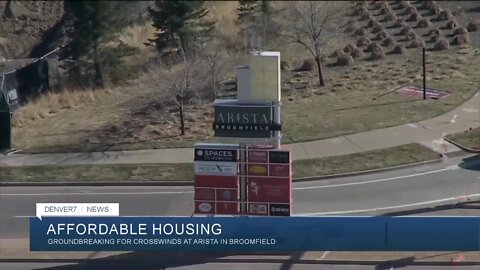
(216, 181)
(269, 189)
(216, 168)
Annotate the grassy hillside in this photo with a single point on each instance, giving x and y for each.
(140, 114)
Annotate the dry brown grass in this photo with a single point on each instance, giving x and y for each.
(136, 35)
(225, 14)
(49, 104)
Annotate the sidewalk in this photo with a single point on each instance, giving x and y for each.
(428, 133)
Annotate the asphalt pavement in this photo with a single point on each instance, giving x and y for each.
(408, 191)
(222, 266)
(448, 188)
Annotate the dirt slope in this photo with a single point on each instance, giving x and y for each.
(23, 24)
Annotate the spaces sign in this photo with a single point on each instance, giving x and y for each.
(244, 121)
(203, 154)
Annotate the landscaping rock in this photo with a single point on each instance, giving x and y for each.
(416, 43)
(411, 36)
(349, 48)
(452, 24)
(400, 22)
(344, 60)
(357, 53)
(381, 35)
(445, 15)
(474, 26)
(406, 30)
(435, 32)
(377, 28)
(388, 41)
(411, 10)
(360, 32)
(460, 31)
(377, 52)
(460, 40)
(363, 42)
(307, 65)
(424, 23)
(441, 44)
(434, 39)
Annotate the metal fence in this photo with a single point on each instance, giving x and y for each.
(30, 80)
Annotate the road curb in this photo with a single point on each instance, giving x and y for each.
(329, 176)
(463, 148)
(255, 260)
(190, 183)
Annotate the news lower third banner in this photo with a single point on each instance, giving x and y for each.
(255, 234)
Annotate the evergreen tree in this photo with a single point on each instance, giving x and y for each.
(254, 20)
(92, 24)
(180, 23)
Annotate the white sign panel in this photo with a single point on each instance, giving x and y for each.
(77, 209)
(265, 77)
(216, 168)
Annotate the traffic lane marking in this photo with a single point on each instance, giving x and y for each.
(191, 191)
(390, 207)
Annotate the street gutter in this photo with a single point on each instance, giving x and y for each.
(190, 183)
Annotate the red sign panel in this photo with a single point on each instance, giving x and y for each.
(227, 208)
(227, 195)
(269, 189)
(257, 169)
(204, 207)
(216, 181)
(205, 194)
(260, 209)
(258, 156)
(279, 169)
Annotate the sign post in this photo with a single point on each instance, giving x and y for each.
(5, 123)
(243, 179)
(262, 178)
(424, 64)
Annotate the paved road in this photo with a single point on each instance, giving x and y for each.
(391, 193)
(222, 266)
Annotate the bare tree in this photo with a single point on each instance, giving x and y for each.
(215, 55)
(312, 24)
(179, 82)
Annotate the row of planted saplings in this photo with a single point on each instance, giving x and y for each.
(460, 35)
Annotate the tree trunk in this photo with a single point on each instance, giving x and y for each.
(7, 12)
(320, 71)
(214, 83)
(98, 69)
(182, 120)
